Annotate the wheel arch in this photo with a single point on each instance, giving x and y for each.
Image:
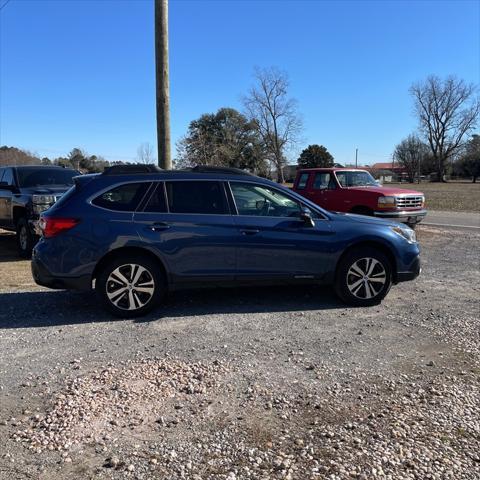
(129, 250)
(385, 249)
(18, 213)
(362, 210)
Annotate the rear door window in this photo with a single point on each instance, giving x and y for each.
(124, 198)
(157, 202)
(302, 181)
(203, 197)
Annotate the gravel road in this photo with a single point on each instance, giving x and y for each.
(278, 383)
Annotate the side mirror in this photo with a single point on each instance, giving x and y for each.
(306, 217)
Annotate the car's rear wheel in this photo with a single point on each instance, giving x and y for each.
(363, 277)
(25, 238)
(131, 286)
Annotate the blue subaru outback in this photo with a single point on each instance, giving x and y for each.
(135, 232)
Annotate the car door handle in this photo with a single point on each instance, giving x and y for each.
(159, 226)
(249, 231)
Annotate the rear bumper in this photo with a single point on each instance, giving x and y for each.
(43, 277)
(412, 272)
(406, 216)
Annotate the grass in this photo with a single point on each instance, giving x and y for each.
(453, 196)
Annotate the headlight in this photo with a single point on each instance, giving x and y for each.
(43, 199)
(42, 202)
(386, 201)
(407, 233)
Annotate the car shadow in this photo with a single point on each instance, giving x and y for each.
(55, 308)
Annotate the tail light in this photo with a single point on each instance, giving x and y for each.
(51, 226)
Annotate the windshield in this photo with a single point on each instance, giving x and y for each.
(40, 177)
(355, 178)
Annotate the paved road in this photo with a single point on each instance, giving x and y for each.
(462, 220)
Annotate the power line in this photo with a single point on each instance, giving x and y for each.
(4, 5)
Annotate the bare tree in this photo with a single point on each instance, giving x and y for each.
(145, 154)
(409, 154)
(274, 114)
(447, 111)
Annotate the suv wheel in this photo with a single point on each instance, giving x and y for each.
(363, 277)
(25, 239)
(130, 286)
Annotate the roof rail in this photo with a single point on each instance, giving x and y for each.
(131, 169)
(213, 169)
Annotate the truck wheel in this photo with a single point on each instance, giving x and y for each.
(130, 286)
(25, 239)
(363, 277)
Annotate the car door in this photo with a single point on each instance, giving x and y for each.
(6, 194)
(273, 241)
(325, 192)
(190, 225)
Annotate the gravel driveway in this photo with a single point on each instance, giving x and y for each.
(278, 383)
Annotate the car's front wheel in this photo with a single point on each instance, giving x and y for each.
(131, 286)
(363, 277)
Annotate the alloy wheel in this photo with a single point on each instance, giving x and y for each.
(130, 286)
(366, 278)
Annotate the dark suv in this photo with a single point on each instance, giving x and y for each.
(27, 191)
(134, 233)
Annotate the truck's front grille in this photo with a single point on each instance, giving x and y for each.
(409, 201)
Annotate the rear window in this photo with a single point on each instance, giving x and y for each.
(36, 177)
(196, 197)
(302, 182)
(124, 198)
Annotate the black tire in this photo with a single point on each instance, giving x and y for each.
(119, 303)
(26, 240)
(352, 288)
(413, 226)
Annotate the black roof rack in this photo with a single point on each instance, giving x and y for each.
(142, 169)
(225, 170)
(131, 169)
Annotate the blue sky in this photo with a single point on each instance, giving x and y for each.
(80, 73)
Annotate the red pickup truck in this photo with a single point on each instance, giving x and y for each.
(356, 191)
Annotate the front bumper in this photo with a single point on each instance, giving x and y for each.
(411, 273)
(405, 216)
(44, 277)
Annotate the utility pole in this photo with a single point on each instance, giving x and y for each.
(356, 158)
(162, 81)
